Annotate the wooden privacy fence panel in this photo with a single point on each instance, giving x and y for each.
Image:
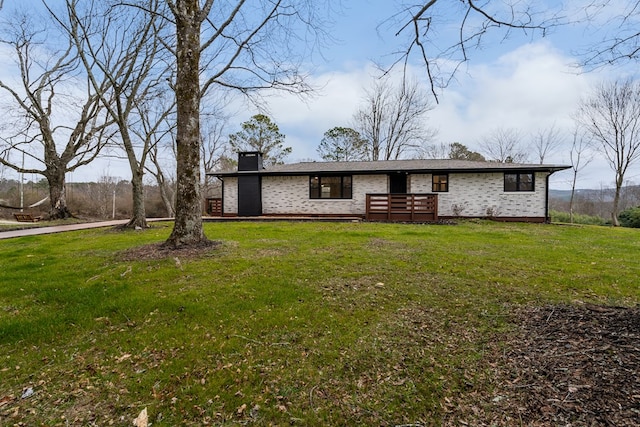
(402, 207)
(214, 207)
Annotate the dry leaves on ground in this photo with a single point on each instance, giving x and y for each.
(568, 365)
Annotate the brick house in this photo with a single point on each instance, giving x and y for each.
(395, 190)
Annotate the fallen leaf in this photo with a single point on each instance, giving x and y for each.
(5, 400)
(142, 420)
(123, 358)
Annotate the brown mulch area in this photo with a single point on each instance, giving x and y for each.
(157, 251)
(567, 366)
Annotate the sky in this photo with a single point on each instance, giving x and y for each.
(525, 82)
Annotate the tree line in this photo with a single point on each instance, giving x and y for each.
(133, 79)
(388, 127)
(105, 77)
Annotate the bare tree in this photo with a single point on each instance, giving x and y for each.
(123, 45)
(60, 132)
(545, 142)
(245, 46)
(580, 156)
(156, 129)
(619, 46)
(504, 145)
(471, 22)
(436, 151)
(422, 22)
(166, 186)
(611, 116)
(392, 119)
(216, 152)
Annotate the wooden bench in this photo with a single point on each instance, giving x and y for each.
(26, 217)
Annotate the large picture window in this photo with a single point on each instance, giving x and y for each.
(518, 182)
(439, 183)
(330, 187)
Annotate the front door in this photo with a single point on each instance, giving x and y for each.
(398, 183)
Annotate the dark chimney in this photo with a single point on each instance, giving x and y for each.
(250, 161)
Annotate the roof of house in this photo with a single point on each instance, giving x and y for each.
(390, 166)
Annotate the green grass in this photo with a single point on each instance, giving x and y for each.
(283, 323)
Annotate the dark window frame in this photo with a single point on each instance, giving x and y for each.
(440, 186)
(514, 182)
(345, 187)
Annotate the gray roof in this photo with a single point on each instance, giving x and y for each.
(389, 166)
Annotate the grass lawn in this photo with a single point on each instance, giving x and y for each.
(283, 323)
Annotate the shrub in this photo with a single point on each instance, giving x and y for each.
(559, 216)
(630, 217)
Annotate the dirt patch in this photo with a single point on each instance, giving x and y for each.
(161, 251)
(567, 365)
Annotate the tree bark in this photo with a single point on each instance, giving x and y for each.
(573, 193)
(139, 215)
(57, 194)
(188, 222)
(616, 199)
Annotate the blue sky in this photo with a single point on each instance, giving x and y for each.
(525, 82)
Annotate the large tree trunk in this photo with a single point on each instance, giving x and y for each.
(57, 195)
(139, 217)
(188, 222)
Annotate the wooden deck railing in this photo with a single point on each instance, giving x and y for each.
(214, 206)
(402, 207)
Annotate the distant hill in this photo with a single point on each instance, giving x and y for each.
(604, 194)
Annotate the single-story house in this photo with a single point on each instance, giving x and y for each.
(394, 190)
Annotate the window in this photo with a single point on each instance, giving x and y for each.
(518, 182)
(440, 183)
(330, 187)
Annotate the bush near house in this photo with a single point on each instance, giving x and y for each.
(565, 217)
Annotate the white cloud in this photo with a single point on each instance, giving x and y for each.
(305, 121)
(529, 88)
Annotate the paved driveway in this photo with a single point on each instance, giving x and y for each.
(59, 228)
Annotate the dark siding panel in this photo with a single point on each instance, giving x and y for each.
(249, 196)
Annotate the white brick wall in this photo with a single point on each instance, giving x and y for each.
(290, 195)
(230, 196)
(475, 194)
(470, 194)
